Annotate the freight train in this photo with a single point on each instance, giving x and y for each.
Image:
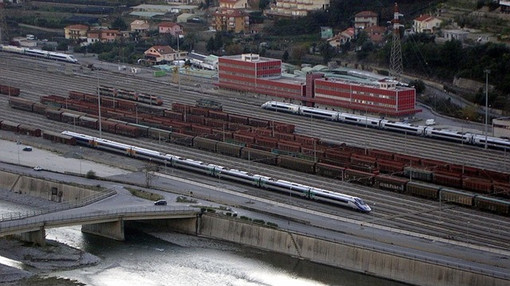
(261, 181)
(419, 130)
(39, 53)
(129, 95)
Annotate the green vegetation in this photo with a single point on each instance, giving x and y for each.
(144, 194)
(183, 199)
(91, 175)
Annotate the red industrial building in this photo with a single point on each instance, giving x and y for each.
(252, 73)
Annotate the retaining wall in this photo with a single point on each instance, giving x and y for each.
(354, 258)
(50, 190)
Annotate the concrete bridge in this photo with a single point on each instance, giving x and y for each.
(108, 223)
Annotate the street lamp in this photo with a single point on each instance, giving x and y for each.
(487, 72)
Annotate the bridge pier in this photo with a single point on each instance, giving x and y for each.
(113, 230)
(37, 236)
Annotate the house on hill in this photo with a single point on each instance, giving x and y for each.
(426, 24)
(171, 28)
(163, 54)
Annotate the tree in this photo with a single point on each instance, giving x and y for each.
(327, 51)
(297, 53)
(119, 24)
(419, 85)
(210, 45)
(150, 168)
(285, 56)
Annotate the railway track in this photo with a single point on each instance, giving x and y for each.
(390, 209)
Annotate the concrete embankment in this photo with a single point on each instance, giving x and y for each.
(41, 188)
(355, 258)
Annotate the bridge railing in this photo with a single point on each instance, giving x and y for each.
(85, 217)
(63, 206)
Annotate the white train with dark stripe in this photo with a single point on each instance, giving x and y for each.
(261, 181)
(384, 124)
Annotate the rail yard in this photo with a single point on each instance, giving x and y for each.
(39, 79)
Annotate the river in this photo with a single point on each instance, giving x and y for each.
(175, 259)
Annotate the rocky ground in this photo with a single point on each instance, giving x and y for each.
(38, 260)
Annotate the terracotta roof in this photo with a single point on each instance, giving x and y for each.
(163, 49)
(78, 27)
(366, 14)
(167, 24)
(424, 18)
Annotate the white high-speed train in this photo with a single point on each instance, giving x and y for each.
(39, 53)
(261, 181)
(419, 130)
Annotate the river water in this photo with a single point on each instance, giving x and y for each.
(175, 259)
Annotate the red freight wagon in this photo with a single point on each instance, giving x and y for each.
(199, 111)
(197, 119)
(212, 122)
(108, 126)
(380, 154)
(476, 184)
(328, 170)
(390, 167)
(305, 140)
(76, 95)
(338, 155)
(282, 127)
(464, 170)
(408, 160)
(258, 122)
(223, 135)
(265, 141)
(243, 138)
(283, 136)
(391, 183)
(289, 146)
(358, 159)
(218, 115)
(495, 176)
(126, 105)
(201, 130)
(182, 108)
(262, 132)
(447, 179)
(238, 119)
(173, 114)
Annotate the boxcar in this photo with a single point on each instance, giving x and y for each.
(423, 190)
(259, 156)
(154, 133)
(9, 126)
(328, 170)
(58, 137)
(391, 183)
(29, 130)
(181, 139)
(360, 177)
(456, 197)
(297, 164)
(21, 103)
(229, 149)
(418, 174)
(205, 144)
(477, 184)
(492, 205)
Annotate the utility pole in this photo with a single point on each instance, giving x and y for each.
(4, 30)
(396, 67)
(487, 72)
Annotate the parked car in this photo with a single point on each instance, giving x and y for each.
(27, 148)
(38, 168)
(160, 203)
